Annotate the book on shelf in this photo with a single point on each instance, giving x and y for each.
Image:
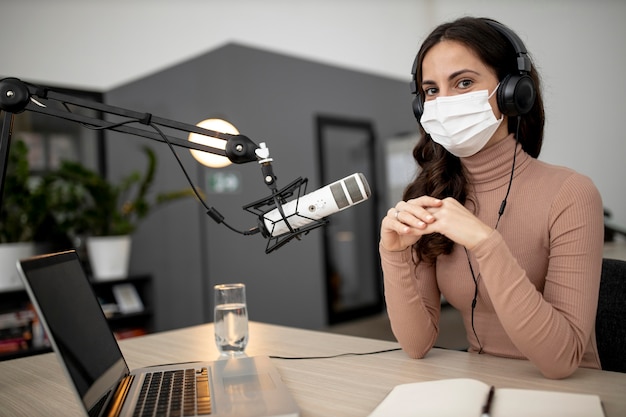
(466, 397)
(18, 318)
(14, 345)
(21, 330)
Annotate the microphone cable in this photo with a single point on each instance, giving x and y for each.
(211, 211)
(297, 358)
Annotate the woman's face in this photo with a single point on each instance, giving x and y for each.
(450, 68)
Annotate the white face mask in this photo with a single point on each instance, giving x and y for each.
(462, 124)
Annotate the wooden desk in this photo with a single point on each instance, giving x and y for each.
(349, 386)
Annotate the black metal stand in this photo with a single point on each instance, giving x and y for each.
(17, 96)
(6, 129)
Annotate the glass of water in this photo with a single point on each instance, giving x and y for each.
(231, 319)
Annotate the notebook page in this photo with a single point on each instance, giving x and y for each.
(443, 398)
(465, 397)
(524, 403)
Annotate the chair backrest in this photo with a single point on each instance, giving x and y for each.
(611, 316)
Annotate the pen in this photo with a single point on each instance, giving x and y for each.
(488, 401)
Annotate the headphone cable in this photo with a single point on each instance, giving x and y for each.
(500, 213)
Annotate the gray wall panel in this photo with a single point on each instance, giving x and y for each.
(271, 98)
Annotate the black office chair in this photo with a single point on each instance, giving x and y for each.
(611, 316)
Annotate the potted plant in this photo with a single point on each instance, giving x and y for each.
(26, 225)
(89, 206)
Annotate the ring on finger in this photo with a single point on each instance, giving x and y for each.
(396, 214)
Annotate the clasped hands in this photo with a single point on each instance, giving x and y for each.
(409, 220)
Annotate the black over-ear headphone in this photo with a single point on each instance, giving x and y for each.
(516, 94)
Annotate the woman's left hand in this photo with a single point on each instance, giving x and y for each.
(458, 224)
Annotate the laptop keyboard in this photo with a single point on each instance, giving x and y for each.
(176, 393)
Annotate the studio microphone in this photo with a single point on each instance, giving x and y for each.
(316, 205)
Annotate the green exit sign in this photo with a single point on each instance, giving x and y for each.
(222, 182)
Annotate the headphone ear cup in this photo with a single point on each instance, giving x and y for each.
(418, 107)
(516, 95)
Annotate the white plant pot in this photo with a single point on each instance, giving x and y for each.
(109, 256)
(10, 253)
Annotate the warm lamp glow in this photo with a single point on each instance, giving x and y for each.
(208, 159)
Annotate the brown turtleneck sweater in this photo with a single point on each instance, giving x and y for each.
(538, 274)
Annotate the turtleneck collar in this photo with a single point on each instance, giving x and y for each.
(491, 167)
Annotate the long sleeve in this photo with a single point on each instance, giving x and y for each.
(413, 301)
(552, 326)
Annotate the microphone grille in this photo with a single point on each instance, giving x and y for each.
(356, 187)
(353, 189)
(340, 197)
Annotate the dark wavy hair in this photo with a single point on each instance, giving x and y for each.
(441, 174)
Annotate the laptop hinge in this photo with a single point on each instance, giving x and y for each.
(119, 396)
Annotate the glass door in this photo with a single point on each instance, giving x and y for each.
(353, 276)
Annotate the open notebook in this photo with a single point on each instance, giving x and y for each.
(93, 362)
(465, 397)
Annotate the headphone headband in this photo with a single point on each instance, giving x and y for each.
(523, 62)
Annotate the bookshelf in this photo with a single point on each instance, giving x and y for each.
(127, 304)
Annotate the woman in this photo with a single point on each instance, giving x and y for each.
(513, 243)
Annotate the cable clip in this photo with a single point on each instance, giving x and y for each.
(147, 119)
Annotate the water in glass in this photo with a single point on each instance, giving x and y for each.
(231, 319)
(231, 328)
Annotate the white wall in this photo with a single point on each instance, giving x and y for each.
(577, 45)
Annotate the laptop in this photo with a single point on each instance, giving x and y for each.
(94, 364)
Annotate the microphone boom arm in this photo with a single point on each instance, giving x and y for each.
(17, 96)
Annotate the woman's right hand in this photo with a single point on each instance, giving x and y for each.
(405, 223)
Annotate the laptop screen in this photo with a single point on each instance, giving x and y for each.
(75, 324)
